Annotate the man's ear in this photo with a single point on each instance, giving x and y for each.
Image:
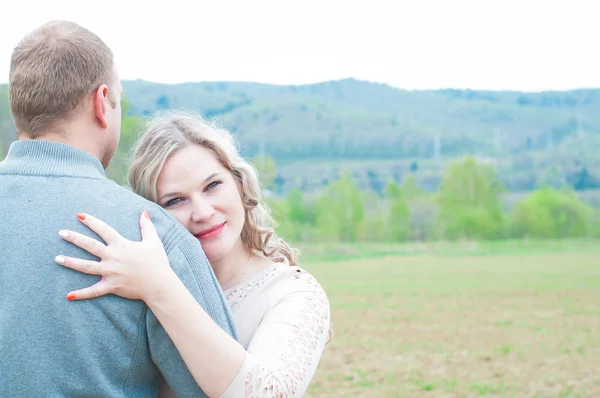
(100, 104)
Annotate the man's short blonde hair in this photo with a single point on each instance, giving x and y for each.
(52, 69)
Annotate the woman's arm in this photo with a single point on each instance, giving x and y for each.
(213, 357)
(138, 270)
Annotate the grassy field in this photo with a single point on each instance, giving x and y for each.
(512, 319)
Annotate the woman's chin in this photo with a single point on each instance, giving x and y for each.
(214, 252)
(217, 248)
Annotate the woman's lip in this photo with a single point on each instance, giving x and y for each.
(210, 232)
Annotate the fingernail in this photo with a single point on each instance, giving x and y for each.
(146, 214)
(81, 216)
(59, 259)
(63, 234)
(71, 296)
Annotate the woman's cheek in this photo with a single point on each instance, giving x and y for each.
(182, 214)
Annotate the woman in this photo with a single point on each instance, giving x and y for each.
(193, 170)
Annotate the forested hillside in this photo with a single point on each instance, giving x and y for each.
(381, 133)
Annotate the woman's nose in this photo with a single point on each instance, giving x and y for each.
(202, 211)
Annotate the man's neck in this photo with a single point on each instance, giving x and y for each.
(50, 136)
(67, 138)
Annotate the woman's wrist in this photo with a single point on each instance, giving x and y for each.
(162, 290)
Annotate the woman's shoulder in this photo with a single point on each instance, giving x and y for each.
(297, 289)
(297, 279)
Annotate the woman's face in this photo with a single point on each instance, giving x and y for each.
(203, 195)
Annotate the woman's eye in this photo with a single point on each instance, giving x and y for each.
(172, 202)
(213, 185)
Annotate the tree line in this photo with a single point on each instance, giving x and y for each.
(468, 206)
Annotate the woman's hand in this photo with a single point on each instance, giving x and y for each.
(134, 270)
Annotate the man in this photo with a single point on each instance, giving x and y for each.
(65, 98)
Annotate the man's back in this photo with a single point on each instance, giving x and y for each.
(106, 346)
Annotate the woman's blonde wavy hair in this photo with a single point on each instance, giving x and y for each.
(168, 132)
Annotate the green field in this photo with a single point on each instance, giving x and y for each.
(512, 319)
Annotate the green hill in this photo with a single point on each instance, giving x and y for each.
(381, 132)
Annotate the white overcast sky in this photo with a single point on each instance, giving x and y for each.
(525, 45)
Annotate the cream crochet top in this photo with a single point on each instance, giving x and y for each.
(282, 317)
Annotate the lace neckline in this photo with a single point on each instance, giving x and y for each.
(268, 269)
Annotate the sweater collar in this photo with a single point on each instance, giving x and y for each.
(49, 158)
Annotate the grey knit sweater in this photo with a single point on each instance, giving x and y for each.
(104, 347)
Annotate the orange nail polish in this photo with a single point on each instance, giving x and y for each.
(81, 216)
(146, 214)
(71, 296)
